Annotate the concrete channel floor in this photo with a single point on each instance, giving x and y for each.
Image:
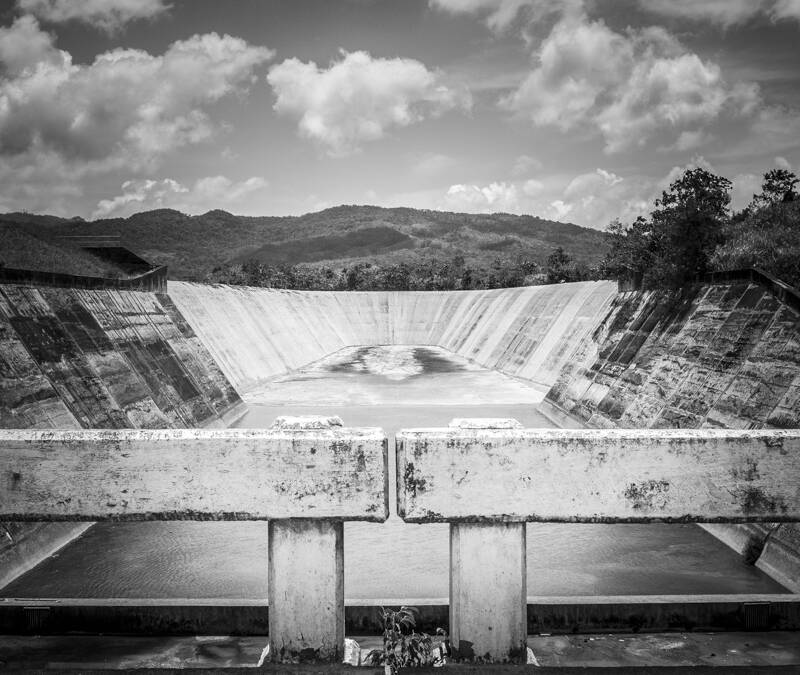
(719, 651)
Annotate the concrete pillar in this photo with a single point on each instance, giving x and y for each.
(488, 594)
(306, 590)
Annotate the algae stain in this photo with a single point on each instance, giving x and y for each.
(412, 483)
(651, 494)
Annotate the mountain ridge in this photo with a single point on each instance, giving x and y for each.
(193, 245)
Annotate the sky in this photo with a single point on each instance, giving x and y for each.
(581, 111)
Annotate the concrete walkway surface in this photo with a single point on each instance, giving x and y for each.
(701, 652)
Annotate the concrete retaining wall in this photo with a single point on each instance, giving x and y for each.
(151, 279)
(256, 334)
(74, 358)
(721, 355)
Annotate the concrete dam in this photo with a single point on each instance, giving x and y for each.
(717, 354)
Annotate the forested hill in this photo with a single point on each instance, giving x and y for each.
(193, 246)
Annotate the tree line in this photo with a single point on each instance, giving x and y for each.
(428, 274)
(690, 231)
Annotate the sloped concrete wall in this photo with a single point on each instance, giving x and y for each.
(256, 333)
(715, 355)
(97, 359)
(104, 359)
(724, 356)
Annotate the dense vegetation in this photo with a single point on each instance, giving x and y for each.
(691, 231)
(340, 237)
(425, 274)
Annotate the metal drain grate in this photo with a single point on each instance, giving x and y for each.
(756, 615)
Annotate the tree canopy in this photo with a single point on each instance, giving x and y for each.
(691, 231)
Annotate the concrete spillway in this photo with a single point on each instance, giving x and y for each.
(256, 334)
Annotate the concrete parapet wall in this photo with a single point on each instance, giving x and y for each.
(194, 474)
(614, 475)
(256, 334)
(306, 475)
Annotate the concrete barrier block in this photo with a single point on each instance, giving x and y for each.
(613, 475)
(194, 474)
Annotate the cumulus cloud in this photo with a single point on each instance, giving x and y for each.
(126, 108)
(591, 199)
(39, 181)
(107, 15)
(632, 87)
(493, 198)
(786, 9)
(359, 98)
(212, 192)
(724, 13)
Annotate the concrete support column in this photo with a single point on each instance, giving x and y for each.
(488, 594)
(306, 590)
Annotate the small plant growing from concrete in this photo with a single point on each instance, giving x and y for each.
(403, 646)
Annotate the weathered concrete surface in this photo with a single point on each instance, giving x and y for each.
(232, 474)
(781, 556)
(256, 334)
(714, 355)
(306, 591)
(597, 476)
(725, 356)
(488, 599)
(104, 359)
